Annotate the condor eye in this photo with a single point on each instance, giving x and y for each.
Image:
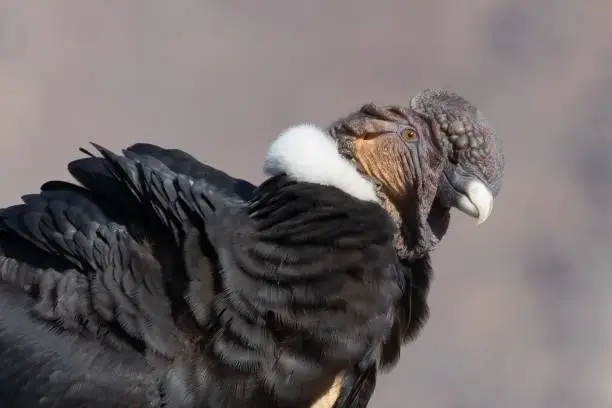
(409, 135)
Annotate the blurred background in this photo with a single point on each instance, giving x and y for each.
(520, 312)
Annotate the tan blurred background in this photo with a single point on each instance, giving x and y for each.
(521, 315)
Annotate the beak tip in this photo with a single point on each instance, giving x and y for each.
(478, 202)
(484, 213)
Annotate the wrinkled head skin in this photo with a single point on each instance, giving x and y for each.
(436, 154)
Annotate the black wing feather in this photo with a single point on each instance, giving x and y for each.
(112, 267)
(174, 199)
(45, 368)
(286, 289)
(182, 162)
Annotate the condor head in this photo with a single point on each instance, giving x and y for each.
(436, 154)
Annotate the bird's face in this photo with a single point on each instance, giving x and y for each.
(435, 155)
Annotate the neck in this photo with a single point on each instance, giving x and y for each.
(347, 149)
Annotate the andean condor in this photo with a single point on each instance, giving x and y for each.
(163, 282)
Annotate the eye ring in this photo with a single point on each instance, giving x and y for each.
(408, 135)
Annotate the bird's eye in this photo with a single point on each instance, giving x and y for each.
(409, 135)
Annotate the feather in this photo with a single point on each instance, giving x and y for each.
(267, 299)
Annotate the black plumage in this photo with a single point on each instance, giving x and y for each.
(147, 286)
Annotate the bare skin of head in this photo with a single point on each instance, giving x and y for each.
(439, 153)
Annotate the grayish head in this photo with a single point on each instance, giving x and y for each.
(438, 153)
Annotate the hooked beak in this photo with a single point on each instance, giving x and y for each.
(476, 201)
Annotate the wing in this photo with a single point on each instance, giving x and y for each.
(99, 265)
(178, 206)
(102, 283)
(182, 162)
(42, 366)
(175, 196)
(80, 239)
